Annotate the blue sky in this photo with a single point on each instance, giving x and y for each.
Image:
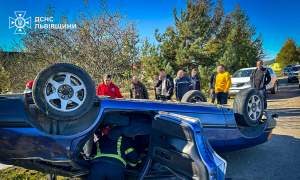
(276, 20)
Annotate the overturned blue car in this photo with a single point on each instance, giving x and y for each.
(48, 129)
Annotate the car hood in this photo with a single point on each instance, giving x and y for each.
(240, 80)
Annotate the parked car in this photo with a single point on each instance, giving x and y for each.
(289, 66)
(48, 130)
(286, 71)
(293, 74)
(241, 80)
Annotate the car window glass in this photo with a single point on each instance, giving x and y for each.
(295, 68)
(242, 73)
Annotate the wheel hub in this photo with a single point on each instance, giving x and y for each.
(65, 92)
(254, 107)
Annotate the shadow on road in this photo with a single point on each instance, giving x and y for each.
(275, 159)
(283, 112)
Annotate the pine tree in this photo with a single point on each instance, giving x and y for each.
(242, 49)
(288, 54)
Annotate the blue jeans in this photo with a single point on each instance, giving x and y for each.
(264, 95)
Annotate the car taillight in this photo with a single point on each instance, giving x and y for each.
(272, 78)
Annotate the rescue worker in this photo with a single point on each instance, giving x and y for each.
(223, 83)
(111, 154)
(107, 88)
(182, 85)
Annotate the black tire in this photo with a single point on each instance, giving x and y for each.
(194, 96)
(275, 88)
(289, 81)
(241, 108)
(53, 71)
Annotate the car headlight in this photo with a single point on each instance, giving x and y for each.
(247, 83)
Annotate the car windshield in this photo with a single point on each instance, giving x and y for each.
(297, 68)
(242, 73)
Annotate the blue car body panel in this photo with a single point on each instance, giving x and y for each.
(20, 139)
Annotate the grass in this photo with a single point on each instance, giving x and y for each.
(18, 173)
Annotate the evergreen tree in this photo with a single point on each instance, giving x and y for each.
(183, 45)
(242, 48)
(288, 54)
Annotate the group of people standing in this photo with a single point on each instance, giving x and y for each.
(113, 153)
(165, 86)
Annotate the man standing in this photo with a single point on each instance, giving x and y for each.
(111, 154)
(259, 78)
(182, 85)
(157, 90)
(107, 88)
(223, 83)
(138, 90)
(212, 82)
(195, 80)
(166, 84)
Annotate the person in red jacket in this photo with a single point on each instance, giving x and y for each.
(107, 88)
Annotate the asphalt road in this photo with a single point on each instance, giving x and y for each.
(279, 158)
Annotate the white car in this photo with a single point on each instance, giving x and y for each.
(293, 74)
(241, 80)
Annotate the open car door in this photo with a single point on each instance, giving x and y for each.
(178, 143)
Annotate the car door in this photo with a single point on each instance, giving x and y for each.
(271, 83)
(178, 142)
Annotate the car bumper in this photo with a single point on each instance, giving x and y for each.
(234, 91)
(271, 121)
(294, 78)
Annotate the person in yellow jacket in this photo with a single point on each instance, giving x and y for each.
(223, 83)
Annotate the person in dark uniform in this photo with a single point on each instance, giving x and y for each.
(111, 154)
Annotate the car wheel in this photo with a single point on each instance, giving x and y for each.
(248, 107)
(275, 88)
(64, 92)
(194, 96)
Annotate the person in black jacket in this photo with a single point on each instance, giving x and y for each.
(259, 78)
(165, 84)
(111, 154)
(212, 82)
(195, 80)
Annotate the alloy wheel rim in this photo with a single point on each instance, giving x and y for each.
(65, 92)
(254, 107)
(196, 99)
